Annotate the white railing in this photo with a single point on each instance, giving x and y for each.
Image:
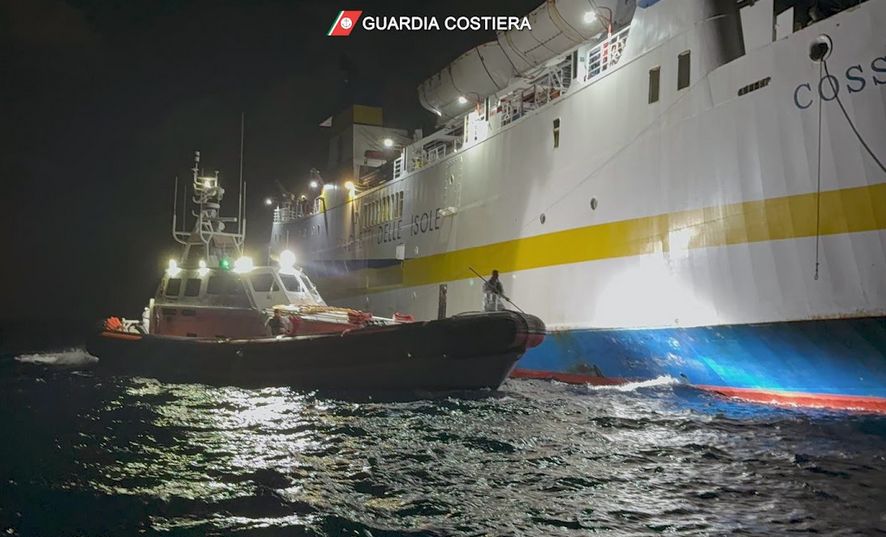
(546, 87)
(284, 214)
(292, 210)
(543, 89)
(605, 55)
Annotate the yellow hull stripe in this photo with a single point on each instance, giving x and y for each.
(849, 210)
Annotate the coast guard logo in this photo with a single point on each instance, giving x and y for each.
(344, 23)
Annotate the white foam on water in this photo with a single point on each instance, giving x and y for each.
(664, 380)
(65, 357)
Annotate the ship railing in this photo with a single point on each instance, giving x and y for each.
(543, 89)
(605, 55)
(283, 215)
(291, 211)
(417, 156)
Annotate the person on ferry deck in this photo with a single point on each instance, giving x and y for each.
(493, 293)
(278, 325)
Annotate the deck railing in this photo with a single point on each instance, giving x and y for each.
(605, 55)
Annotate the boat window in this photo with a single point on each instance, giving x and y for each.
(173, 286)
(216, 285)
(192, 287)
(556, 133)
(223, 285)
(654, 84)
(683, 70)
(235, 288)
(292, 283)
(262, 283)
(309, 285)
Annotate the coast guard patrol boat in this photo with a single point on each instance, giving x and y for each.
(683, 188)
(217, 321)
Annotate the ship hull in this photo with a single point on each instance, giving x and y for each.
(832, 363)
(460, 353)
(748, 204)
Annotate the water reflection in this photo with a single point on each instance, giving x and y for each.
(536, 458)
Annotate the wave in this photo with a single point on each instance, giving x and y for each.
(65, 357)
(657, 382)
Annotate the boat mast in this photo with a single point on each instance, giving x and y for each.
(208, 233)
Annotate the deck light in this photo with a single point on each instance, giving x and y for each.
(269, 201)
(590, 16)
(462, 99)
(286, 259)
(203, 270)
(314, 184)
(243, 265)
(173, 269)
(388, 142)
(349, 185)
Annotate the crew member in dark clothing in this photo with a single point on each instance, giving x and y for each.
(278, 325)
(493, 292)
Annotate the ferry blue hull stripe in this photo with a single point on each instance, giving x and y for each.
(831, 356)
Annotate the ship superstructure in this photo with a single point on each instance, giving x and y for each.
(692, 188)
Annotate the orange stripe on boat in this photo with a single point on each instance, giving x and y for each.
(818, 400)
(120, 335)
(802, 399)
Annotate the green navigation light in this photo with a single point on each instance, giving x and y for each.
(225, 264)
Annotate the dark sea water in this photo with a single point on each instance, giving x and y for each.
(82, 454)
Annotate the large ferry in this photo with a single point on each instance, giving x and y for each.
(684, 188)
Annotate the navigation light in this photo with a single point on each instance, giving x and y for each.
(203, 270)
(462, 99)
(388, 142)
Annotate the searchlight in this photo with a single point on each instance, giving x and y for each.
(173, 269)
(243, 265)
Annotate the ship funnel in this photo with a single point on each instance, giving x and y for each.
(557, 27)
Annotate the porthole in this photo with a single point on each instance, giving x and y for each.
(820, 48)
(542, 218)
(451, 179)
(593, 204)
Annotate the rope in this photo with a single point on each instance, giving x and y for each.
(818, 186)
(823, 67)
(849, 120)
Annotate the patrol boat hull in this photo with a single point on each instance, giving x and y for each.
(466, 352)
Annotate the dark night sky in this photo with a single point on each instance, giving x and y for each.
(102, 103)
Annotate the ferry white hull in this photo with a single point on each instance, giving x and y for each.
(709, 208)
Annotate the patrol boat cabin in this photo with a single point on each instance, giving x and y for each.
(204, 293)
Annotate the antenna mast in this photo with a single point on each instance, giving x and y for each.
(240, 222)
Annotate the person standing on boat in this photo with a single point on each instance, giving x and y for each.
(278, 325)
(493, 292)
